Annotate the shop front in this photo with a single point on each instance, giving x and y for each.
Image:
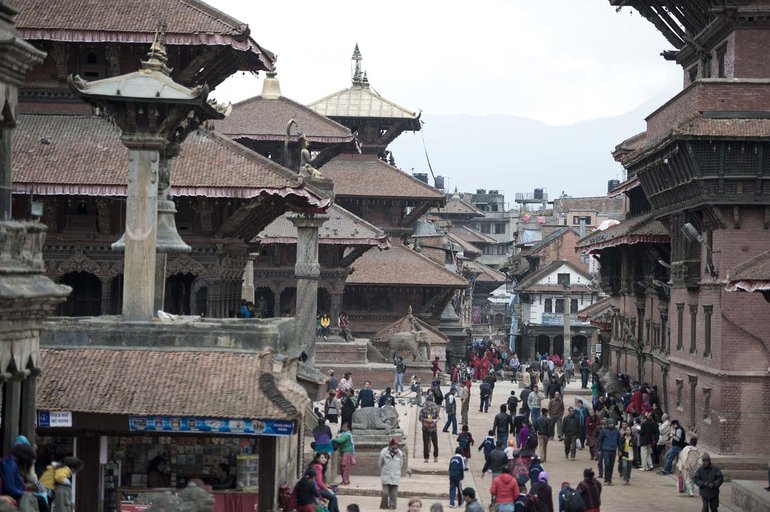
(134, 458)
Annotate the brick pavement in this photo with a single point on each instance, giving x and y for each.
(646, 492)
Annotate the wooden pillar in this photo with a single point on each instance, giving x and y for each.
(5, 172)
(160, 282)
(267, 484)
(86, 480)
(106, 296)
(336, 309)
(277, 303)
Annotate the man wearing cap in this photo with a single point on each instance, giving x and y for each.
(429, 419)
(678, 442)
(709, 478)
(609, 443)
(391, 459)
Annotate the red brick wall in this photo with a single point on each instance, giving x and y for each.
(563, 248)
(719, 96)
(750, 47)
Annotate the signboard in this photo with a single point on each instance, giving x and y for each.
(54, 419)
(210, 425)
(558, 319)
(130, 507)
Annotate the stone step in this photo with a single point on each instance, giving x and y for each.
(750, 495)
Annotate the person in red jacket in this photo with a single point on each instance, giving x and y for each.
(505, 490)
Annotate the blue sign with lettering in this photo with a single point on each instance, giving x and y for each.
(184, 424)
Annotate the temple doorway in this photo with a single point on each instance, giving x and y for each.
(264, 300)
(288, 301)
(558, 345)
(325, 301)
(579, 345)
(543, 344)
(86, 296)
(178, 294)
(116, 295)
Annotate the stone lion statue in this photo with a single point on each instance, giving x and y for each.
(383, 418)
(411, 341)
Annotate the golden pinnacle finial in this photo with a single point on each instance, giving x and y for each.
(156, 57)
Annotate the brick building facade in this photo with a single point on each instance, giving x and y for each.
(701, 171)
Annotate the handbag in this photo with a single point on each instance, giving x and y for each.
(680, 482)
(578, 444)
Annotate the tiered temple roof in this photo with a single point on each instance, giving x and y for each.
(457, 208)
(189, 23)
(265, 118)
(402, 266)
(342, 228)
(471, 235)
(362, 102)
(368, 176)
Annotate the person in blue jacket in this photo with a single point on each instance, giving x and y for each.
(13, 467)
(456, 476)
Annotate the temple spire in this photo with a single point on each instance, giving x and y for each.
(156, 57)
(357, 75)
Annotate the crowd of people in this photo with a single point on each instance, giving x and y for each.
(629, 431)
(32, 482)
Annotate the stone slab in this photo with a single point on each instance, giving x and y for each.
(750, 495)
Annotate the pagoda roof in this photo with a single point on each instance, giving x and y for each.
(640, 229)
(407, 324)
(750, 276)
(220, 384)
(466, 246)
(369, 176)
(265, 119)
(485, 273)
(402, 266)
(83, 155)
(360, 101)
(455, 206)
(342, 228)
(189, 22)
(471, 235)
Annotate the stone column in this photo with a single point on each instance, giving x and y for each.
(277, 302)
(336, 309)
(247, 289)
(11, 411)
(141, 224)
(6, 184)
(28, 412)
(308, 271)
(567, 333)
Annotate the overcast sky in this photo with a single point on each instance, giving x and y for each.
(559, 62)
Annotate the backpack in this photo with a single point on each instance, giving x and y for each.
(573, 502)
(520, 470)
(485, 388)
(488, 445)
(451, 407)
(438, 397)
(513, 402)
(531, 443)
(464, 440)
